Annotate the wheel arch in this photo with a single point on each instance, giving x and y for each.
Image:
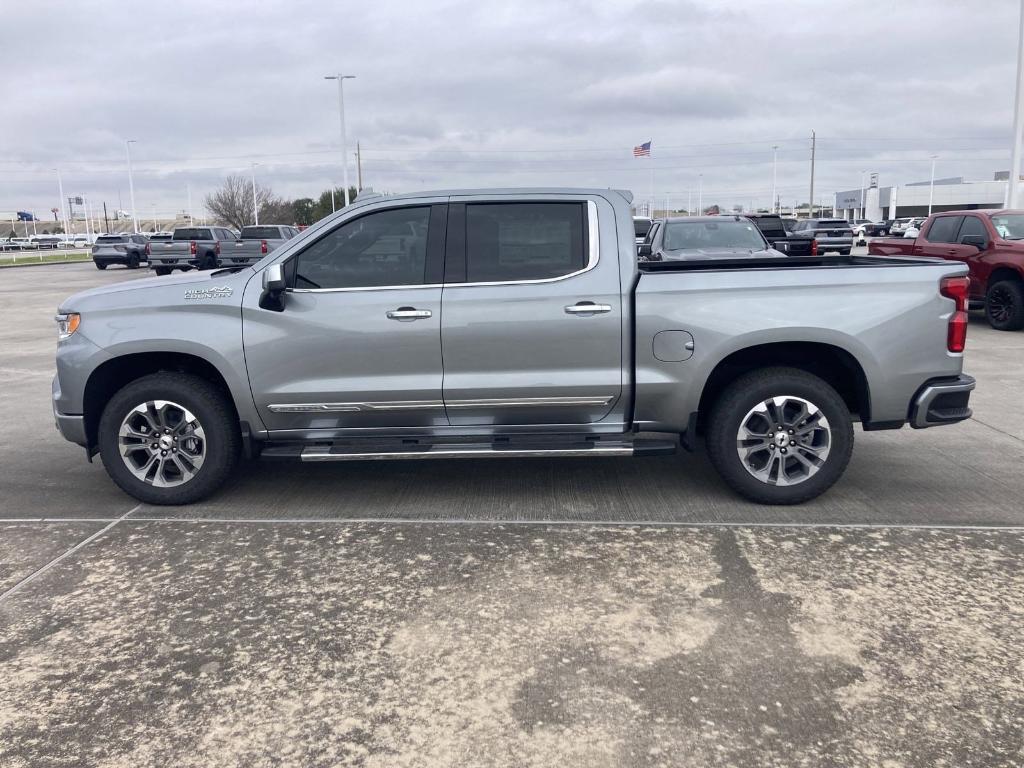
(1005, 271)
(834, 365)
(112, 375)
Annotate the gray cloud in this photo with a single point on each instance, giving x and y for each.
(475, 94)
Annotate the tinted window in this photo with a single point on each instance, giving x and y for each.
(833, 224)
(943, 229)
(523, 241)
(641, 227)
(383, 248)
(110, 239)
(770, 225)
(972, 227)
(261, 233)
(192, 233)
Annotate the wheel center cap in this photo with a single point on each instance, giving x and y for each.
(166, 441)
(781, 439)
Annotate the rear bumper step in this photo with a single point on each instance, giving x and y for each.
(367, 451)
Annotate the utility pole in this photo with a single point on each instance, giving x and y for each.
(689, 202)
(359, 168)
(341, 115)
(63, 210)
(131, 184)
(106, 219)
(255, 209)
(931, 187)
(1018, 118)
(810, 203)
(700, 195)
(775, 166)
(863, 202)
(191, 218)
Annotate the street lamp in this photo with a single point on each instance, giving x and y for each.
(775, 164)
(931, 186)
(1012, 183)
(255, 209)
(131, 184)
(341, 116)
(863, 202)
(63, 214)
(700, 195)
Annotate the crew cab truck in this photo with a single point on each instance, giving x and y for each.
(255, 242)
(990, 243)
(189, 248)
(775, 233)
(506, 323)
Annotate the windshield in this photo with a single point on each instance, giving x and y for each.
(683, 235)
(641, 227)
(1009, 226)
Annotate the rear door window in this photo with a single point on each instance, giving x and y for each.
(943, 229)
(512, 242)
(972, 227)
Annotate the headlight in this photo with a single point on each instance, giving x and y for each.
(67, 324)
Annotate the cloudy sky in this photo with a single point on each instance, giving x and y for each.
(512, 93)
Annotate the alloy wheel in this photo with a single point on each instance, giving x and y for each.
(162, 443)
(784, 440)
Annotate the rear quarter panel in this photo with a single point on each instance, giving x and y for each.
(891, 319)
(892, 246)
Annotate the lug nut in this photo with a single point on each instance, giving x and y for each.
(163, 453)
(783, 450)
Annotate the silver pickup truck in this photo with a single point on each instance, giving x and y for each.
(190, 248)
(255, 242)
(507, 323)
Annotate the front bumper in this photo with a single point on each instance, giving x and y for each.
(942, 401)
(71, 427)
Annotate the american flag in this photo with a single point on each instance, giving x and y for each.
(642, 150)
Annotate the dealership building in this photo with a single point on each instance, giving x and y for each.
(951, 194)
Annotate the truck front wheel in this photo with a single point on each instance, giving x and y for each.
(1004, 305)
(780, 436)
(169, 438)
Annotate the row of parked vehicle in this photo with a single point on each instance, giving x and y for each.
(43, 242)
(190, 247)
(739, 236)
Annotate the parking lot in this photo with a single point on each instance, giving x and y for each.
(522, 612)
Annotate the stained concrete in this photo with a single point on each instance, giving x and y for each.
(213, 644)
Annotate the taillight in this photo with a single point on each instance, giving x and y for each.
(149, 249)
(192, 247)
(956, 288)
(216, 248)
(263, 246)
(814, 247)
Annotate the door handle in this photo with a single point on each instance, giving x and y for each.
(587, 308)
(405, 314)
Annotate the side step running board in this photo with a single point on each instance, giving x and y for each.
(376, 452)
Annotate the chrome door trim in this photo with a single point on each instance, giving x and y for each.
(406, 405)
(393, 405)
(593, 257)
(588, 309)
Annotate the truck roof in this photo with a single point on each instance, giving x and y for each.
(625, 194)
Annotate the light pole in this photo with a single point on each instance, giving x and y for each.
(63, 214)
(1018, 118)
(131, 183)
(255, 209)
(341, 116)
(775, 165)
(700, 195)
(931, 186)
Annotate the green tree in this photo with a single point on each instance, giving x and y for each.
(323, 203)
(304, 211)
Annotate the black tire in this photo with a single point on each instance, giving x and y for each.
(209, 262)
(211, 408)
(732, 409)
(845, 251)
(133, 261)
(162, 270)
(1004, 305)
(100, 266)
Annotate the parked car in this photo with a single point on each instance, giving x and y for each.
(899, 226)
(707, 238)
(830, 234)
(990, 243)
(641, 226)
(45, 242)
(255, 242)
(878, 229)
(789, 224)
(126, 249)
(73, 241)
(913, 228)
(859, 227)
(190, 248)
(774, 230)
(23, 244)
(557, 342)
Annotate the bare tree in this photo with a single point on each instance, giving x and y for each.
(232, 203)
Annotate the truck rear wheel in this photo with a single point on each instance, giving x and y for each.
(780, 436)
(169, 438)
(162, 270)
(1004, 305)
